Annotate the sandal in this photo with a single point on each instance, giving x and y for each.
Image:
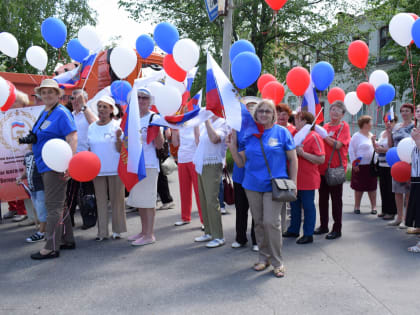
(415, 248)
(373, 211)
(260, 266)
(279, 271)
(356, 211)
(381, 215)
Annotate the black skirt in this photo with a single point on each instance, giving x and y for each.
(412, 219)
(362, 180)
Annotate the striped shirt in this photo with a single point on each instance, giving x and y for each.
(415, 163)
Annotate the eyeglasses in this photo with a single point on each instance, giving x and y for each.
(71, 98)
(336, 109)
(143, 97)
(264, 111)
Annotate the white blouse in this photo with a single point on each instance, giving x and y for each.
(360, 146)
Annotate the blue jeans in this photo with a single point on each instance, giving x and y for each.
(221, 195)
(305, 199)
(38, 199)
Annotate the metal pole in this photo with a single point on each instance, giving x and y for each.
(227, 38)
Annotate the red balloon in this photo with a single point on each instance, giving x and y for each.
(401, 172)
(336, 94)
(274, 91)
(276, 4)
(298, 80)
(11, 98)
(358, 54)
(84, 166)
(264, 79)
(366, 92)
(172, 69)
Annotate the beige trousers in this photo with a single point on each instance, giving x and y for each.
(208, 189)
(266, 215)
(114, 186)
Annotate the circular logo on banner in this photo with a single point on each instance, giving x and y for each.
(14, 125)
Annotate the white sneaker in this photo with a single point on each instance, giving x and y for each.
(116, 236)
(237, 245)
(217, 242)
(402, 225)
(223, 211)
(255, 248)
(203, 238)
(166, 206)
(180, 223)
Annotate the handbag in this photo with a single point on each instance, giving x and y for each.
(374, 166)
(337, 175)
(228, 192)
(283, 189)
(168, 166)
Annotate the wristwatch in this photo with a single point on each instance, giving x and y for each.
(83, 108)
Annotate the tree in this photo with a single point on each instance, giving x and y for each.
(23, 19)
(299, 22)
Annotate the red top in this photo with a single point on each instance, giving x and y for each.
(308, 177)
(344, 138)
(291, 128)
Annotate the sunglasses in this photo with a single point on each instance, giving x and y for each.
(143, 97)
(264, 111)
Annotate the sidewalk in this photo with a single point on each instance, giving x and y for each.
(367, 271)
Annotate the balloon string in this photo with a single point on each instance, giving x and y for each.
(365, 73)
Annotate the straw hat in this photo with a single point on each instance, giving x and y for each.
(110, 101)
(49, 83)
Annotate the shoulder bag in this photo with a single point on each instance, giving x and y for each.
(284, 189)
(228, 192)
(374, 166)
(337, 175)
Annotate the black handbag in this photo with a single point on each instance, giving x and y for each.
(374, 166)
(283, 189)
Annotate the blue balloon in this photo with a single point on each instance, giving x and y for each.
(415, 32)
(392, 156)
(240, 46)
(76, 50)
(120, 90)
(246, 69)
(166, 35)
(54, 32)
(145, 45)
(384, 94)
(322, 75)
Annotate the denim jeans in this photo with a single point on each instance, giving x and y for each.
(221, 194)
(38, 199)
(305, 199)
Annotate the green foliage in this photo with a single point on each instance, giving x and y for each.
(23, 19)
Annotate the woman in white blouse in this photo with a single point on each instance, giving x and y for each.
(105, 140)
(360, 153)
(208, 160)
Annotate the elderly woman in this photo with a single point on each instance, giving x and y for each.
(55, 121)
(283, 114)
(104, 138)
(208, 160)
(310, 153)
(389, 208)
(400, 131)
(276, 144)
(144, 194)
(360, 153)
(339, 136)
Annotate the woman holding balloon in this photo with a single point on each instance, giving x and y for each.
(399, 132)
(54, 122)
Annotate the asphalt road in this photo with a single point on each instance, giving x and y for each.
(367, 271)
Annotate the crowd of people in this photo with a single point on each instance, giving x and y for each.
(312, 164)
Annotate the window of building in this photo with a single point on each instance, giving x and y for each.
(384, 38)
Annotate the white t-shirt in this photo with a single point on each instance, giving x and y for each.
(187, 145)
(102, 141)
(82, 126)
(361, 146)
(149, 150)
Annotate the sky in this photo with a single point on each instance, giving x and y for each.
(112, 21)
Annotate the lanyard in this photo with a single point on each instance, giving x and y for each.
(46, 117)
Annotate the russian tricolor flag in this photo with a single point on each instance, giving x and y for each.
(187, 111)
(72, 78)
(311, 103)
(18, 124)
(390, 115)
(188, 83)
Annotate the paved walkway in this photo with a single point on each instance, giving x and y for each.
(367, 271)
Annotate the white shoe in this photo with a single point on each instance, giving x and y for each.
(237, 245)
(402, 225)
(217, 242)
(255, 248)
(180, 223)
(203, 238)
(395, 222)
(223, 211)
(116, 236)
(166, 206)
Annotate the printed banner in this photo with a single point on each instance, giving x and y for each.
(14, 124)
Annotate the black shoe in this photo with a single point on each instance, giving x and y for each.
(320, 231)
(333, 235)
(305, 240)
(356, 211)
(68, 246)
(85, 227)
(290, 234)
(39, 256)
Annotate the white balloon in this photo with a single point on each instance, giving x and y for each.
(186, 53)
(123, 61)
(155, 89)
(378, 77)
(405, 148)
(352, 102)
(168, 100)
(89, 38)
(37, 57)
(400, 28)
(9, 45)
(56, 154)
(174, 83)
(4, 91)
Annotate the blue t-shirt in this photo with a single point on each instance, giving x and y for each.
(276, 141)
(58, 124)
(239, 172)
